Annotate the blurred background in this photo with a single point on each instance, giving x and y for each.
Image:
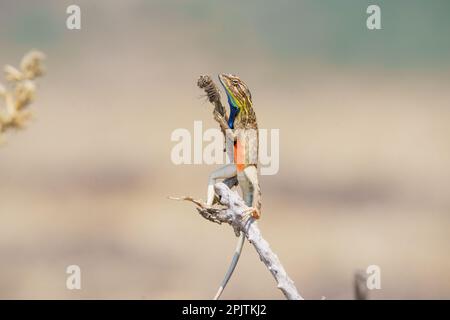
(364, 157)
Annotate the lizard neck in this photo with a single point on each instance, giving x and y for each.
(246, 119)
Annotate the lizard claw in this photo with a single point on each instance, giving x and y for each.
(252, 212)
(256, 214)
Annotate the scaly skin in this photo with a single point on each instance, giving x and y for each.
(242, 133)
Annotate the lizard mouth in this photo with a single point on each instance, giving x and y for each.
(221, 78)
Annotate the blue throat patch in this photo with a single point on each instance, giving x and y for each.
(233, 113)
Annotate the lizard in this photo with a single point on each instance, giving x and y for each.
(241, 131)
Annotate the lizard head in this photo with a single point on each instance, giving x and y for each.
(239, 96)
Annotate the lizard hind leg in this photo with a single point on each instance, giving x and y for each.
(253, 194)
(224, 172)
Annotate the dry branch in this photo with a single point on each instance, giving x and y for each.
(232, 210)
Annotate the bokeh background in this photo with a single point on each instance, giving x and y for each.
(364, 157)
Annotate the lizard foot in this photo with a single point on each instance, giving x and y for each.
(252, 212)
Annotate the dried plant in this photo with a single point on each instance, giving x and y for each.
(20, 91)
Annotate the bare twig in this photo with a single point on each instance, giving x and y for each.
(232, 210)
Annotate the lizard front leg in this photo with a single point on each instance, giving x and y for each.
(227, 132)
(227, 171)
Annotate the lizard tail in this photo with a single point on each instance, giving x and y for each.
(232, 266)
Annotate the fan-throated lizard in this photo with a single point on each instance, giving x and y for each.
(241, 131)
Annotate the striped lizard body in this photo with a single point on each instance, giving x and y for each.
(241, 131)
